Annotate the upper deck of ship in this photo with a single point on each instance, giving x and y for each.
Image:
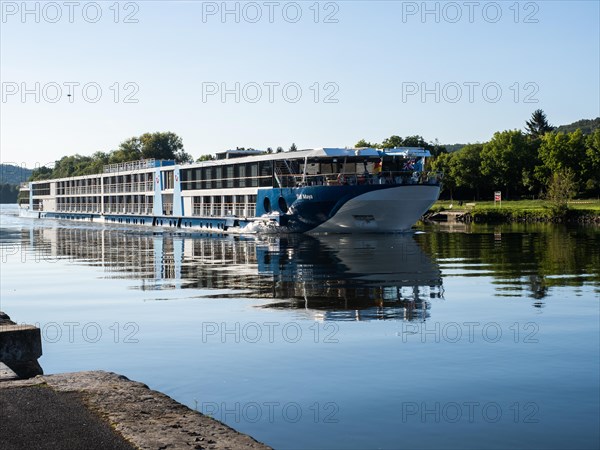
(238, 157)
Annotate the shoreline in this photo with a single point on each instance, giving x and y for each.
(144, 418)
(510, 214)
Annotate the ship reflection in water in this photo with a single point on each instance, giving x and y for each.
(341, 277)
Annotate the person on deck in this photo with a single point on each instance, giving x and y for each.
(377, 167)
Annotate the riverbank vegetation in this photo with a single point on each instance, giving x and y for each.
(525, 165)
(543, 168)
(580, 211)
(539, 162)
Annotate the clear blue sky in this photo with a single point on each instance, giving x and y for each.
(376, 56)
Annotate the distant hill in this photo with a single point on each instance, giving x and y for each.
(11, 174)
(587, 126)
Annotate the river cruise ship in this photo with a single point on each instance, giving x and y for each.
(325, 190)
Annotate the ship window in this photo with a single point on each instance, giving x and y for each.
(267, 205)
(266, 173)
(241, 173)
(229, 176)
(168, 179)
(283, 207)
(218, 183)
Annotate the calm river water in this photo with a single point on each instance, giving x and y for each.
(482, 337)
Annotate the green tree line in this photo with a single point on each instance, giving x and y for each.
(525, 164)
(522, 164)
(159, 145)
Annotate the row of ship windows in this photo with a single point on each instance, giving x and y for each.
(257, 174)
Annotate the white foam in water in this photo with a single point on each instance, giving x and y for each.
(264, 224)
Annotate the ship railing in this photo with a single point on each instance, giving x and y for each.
(385, 177)
(79, 207)
(128, 208)
(239, 210)
(138, 186)
(131, 165)
(223, 209)
(80, 190)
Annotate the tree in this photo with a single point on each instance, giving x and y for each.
(279, 149)
(129, 150)
(205, 158)
(75, 165)
(364, 144)
(41, 173)
(561, 188)
(165, 145)
(444, 163)
(560, 151)
(532, 174)
(592, 145)
(293, 148)
(415, 141)
(150, 145)
(97, 163)
(465, 167)
(392, 141)
(538, 125)
(592, 162)
(269, 150)
(436, 148)
(159, 145)
(504, 157)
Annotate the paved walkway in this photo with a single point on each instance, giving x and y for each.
(36, 417)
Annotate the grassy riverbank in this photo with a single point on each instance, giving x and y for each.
(523, 211)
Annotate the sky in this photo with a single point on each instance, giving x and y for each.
(80, 77)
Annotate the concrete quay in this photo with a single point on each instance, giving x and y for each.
(99, 410)
(93, 410)
(20, 347)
